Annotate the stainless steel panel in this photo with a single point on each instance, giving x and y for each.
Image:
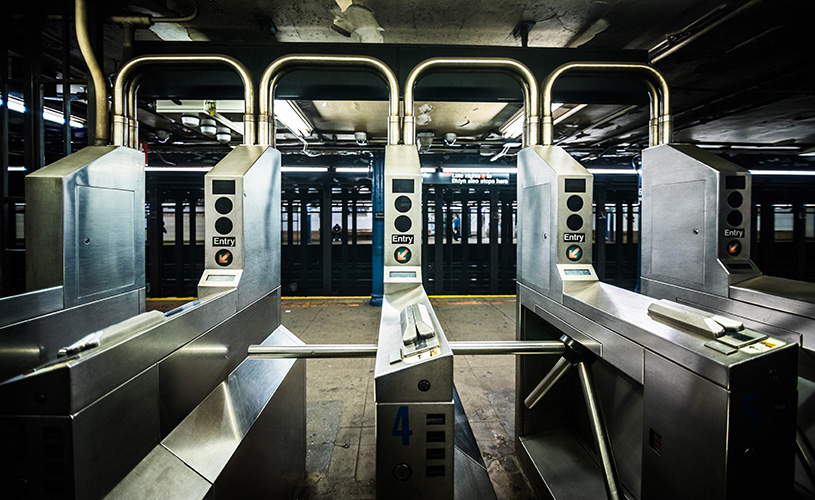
(685, 217)
(211, 434)
(113, 434)
(689, 414)
(398, 382)
(472, 482)
(104, 214)
(255, 218)
(395, 451)
(679, 231)
(791, 296)
(161, 475)
(31, 343)
(81, 455)
(563, 468)
(70, 384)
(544, 235)
(402, 163)
(188, 374)
(73, 224)
(29, 305)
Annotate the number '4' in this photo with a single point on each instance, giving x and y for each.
(401, 427)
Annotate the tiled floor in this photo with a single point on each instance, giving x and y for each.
(341, 449)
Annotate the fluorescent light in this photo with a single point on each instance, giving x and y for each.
(513, 127)
(568, 113)
(782, 172)
(428, 170)
(292, 117)
(612, 171)
(177, 169)
(353, 170)
(481, 170)
(304, 169)
(52, 115)
(16, 169)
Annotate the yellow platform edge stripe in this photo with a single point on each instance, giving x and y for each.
(350, 297)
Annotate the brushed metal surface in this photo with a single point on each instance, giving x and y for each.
(791, 296)
(402, 162)
(191, 372)
(472, 482)
(211, 434)
(684, 219)
(161, 475)
(85, 213)
(397, 382)
(29, 305)
(542, 215)
(72, 383)
(113, 434)
(35, 342)
(255, 217)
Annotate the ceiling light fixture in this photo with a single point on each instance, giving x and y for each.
(304, 169)
(190, 120)
(52, 115)
(514, 127)
(568, 113)
(208, 127)
(292, 117)
(223, 134)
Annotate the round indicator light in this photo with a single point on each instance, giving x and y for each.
(402, 255)
(403, 223)
(403, 204)
(574, 203)
(574, 253)
(734, 218)
(223, 257)
(735, 199)
(223, 205)
(223, 225)
(574, 222)
(733, 248)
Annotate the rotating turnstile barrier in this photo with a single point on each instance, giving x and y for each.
(694, 402)
(111, 395)
(696, 234)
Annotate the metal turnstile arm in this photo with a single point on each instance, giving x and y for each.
(577, 355)
(514, 347)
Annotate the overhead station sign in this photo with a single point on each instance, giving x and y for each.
(467, 178)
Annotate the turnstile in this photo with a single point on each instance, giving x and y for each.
(696, 225)
(695, 403)
(169, 394)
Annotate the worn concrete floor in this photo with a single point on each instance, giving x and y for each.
(341, 448)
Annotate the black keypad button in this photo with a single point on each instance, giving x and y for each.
(403, 223)
(223, 205)
(223, 225)
(574, 222)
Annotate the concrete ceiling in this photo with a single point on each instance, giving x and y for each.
(737, 70)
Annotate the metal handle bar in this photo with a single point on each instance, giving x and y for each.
(498, 64)
(120, 121)
(656, 76)
(369, 350)
(304, 61)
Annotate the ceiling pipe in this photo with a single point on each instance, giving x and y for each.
(99, 87)
(663, 128)
(121, 120)
(515, 68)
(284, 64)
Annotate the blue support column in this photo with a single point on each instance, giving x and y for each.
(378, 244)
